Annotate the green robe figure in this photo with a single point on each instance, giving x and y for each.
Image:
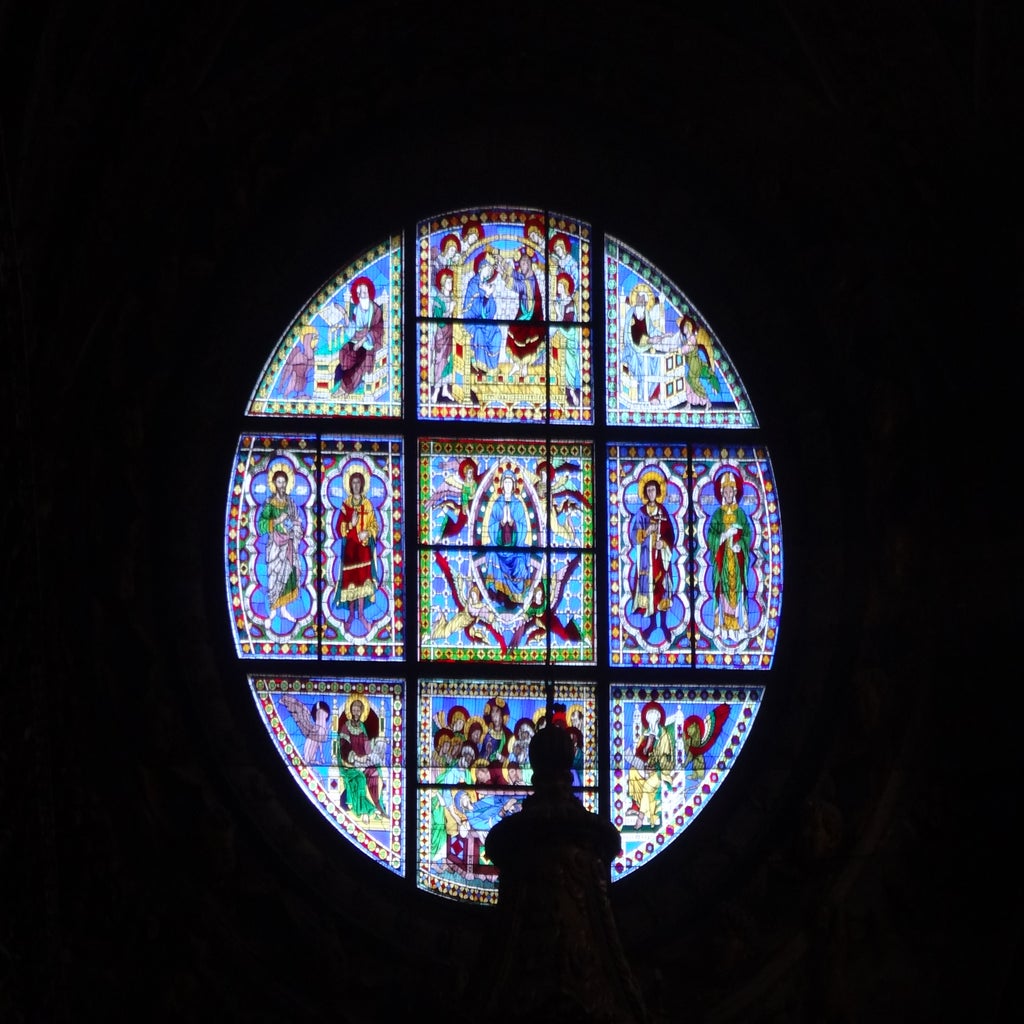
(358, 759)
(729, 539)
(280, 524)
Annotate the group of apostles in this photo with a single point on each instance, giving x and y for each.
(487, 751)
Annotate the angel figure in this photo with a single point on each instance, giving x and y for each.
(565, 504)
(700, 364)
(699, 735)
(447, 253)
(314, 723)
(540, 610)
(474, 616)
(455, 494)
(298, 368)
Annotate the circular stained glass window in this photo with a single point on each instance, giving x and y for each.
(500, 475)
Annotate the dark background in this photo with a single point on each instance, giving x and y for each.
(833, 183)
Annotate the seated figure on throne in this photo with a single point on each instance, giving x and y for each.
(362, 339)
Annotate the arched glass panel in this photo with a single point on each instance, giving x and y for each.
(343, 741)
(665, 365)
(672, 748)
(343, 354)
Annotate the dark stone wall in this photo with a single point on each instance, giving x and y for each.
(834, 185)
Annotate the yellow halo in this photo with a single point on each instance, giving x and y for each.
(362, 700)
(281, 465)
(641, 289)
(356, 466)
(655, 477)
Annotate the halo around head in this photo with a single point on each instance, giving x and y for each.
(281, 465)
(356, 468)
(652, 476)
(653, 705)
(642, 288)
(362, 700)
(727, 476)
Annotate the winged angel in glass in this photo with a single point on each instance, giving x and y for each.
(343, 741)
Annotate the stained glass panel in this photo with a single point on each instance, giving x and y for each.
(510, 573)
(478, 605)
(314, 548)
(569, 270)
(664, 363)
(362, 556)
(649, 581)
(570, 377)
(738, 558)
(461, 490)
(343, 741)
(671, 749)
(472, 763)
(342, 355)
(492, 289)
(504, 568)
(270, 547)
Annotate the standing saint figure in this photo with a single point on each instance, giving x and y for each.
(365, 334)
(564, 309)
(280, 524)
(729, 538)
(653, 538)
(359, 755)
(441, 364)
(357, 526)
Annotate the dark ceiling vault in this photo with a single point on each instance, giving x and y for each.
(828, 181)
